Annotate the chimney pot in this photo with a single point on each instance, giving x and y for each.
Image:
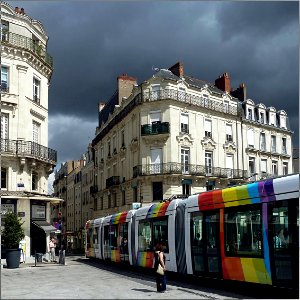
(17, 10)
(22, 11)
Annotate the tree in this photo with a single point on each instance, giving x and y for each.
(13, 231)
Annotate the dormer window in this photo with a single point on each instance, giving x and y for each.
(272, 117)
(250, 113)
(262, 117)
(155, 91)
(282, 119)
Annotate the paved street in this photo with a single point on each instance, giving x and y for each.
(83, 279)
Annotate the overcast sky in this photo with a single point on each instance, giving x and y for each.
(92, 42)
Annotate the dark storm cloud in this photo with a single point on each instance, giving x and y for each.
(93, 42)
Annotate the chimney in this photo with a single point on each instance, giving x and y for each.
(17, 10)
(177, 69)
(125, 86)
(240, 92)
(101, 105)
(22, 11)
(223, 83)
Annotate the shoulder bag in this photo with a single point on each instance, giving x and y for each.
(160, 270)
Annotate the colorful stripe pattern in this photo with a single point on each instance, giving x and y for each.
(115, 255)
(251, 193)
(158, 210)
(255, 270)
(145, 259)
(118, 218)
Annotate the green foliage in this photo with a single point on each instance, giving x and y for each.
(13, 231)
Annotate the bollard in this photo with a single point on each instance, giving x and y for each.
(62, 256)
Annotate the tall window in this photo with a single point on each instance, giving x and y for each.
(273, 143)
(35, 132)
(3, 178)
(184, 123)
(108, 149)
(250, 114)
(4, 79)
(250, 136)
(272, 120)
(155, 91)
(226, 106)
(274, 167)
(36, 89)
(34, 181)
(283, 121)
(157, 190)
(208, 162)
(284, 151)
(185, 160)
(262, 117)
(228, 132)
(123, 197)
(229, 165)
(122, 138)
(207, 128)
(262, 141)
(263, 166)
(285, 168)
(4, 132)
(251, 165)
(156, 160)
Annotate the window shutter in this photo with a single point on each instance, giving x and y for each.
(250, 137)
(207, 125)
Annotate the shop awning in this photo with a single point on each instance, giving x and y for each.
(47, 227)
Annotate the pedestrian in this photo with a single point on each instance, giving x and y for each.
(160, 260)
(52, 246)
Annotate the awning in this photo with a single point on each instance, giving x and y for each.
(47, 227)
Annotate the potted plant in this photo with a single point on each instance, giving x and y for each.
(12, 234)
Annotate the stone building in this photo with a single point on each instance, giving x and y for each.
(176, 134)
(26, 160)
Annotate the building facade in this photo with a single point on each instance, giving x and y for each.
(26, 160)
(175, 134)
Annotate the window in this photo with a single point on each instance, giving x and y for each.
(4, 30)
(184, 123)
(272, 120)
(156, 160)
(34, 181)
(36, 89)
(109, 201)
(122, 139)
(208, 162)
(3, 178)
(284, 146)
(108, 149)
(251, 165)
(4, 132)
(273, 143)
(95, 204)
(283, 122)
(135, 194)
(229, 165)
(243, 231)
(4, 79)
(226, 106)
(155, 91)
(275, 168)
(250, 114)
(157, 190)
(123, 197)
(250, 136)
(262, 117)
(263, 166)
(185, 160)
(110, 239)
(285, 168)
(228, 132)
(186, 189)
(207, 128)
(262, 141)
(114, 195)
(101, 203)
(152, 232)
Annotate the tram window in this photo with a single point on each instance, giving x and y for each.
(144, 237)
(113, 236)
(243, 231)
(88, 237)
(197, 229)
(160, 233)
(95, 236)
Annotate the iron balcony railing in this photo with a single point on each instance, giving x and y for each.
(28, 148)
(113, 180)
(155, 128)
(24, 42)
(172, 94)
(189, 169)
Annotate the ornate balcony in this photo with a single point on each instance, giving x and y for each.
(188, 169)
(31, 149)
(113, 180)
(26, 43)
(155, 128)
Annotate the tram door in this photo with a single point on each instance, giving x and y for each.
(205, 243)
(124, 242)
(284, 242)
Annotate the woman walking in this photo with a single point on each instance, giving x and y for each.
(160, 259)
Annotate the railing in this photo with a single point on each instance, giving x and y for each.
(28, 148)
(24, 42)
(4, 88)
(172, 94)
(111, 181)
(158, 128)
(191, 169)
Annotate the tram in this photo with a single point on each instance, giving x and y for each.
(246, 233)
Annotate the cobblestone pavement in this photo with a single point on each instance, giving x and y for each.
(83, 279)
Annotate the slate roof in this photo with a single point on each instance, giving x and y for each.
(296, 153)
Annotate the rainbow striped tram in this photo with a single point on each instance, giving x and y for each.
(246, 233)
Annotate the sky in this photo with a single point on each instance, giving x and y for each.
(93, 42)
